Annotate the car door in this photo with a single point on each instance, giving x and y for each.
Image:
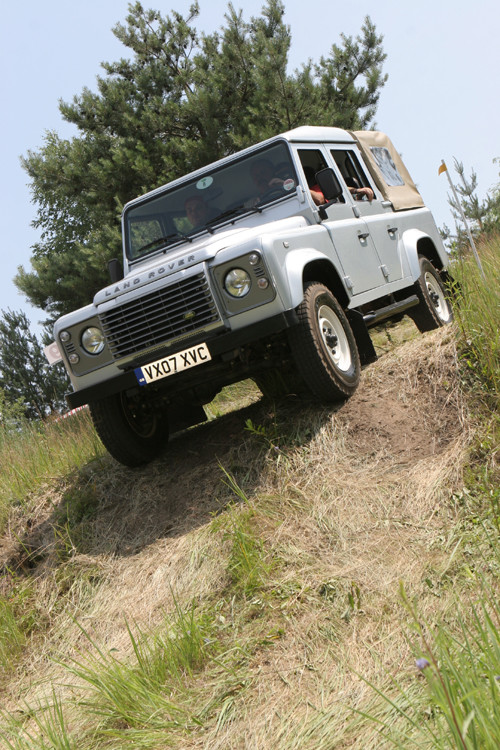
(378, 213)
(348, 231)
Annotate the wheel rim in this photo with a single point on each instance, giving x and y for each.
(142, 423)
(437, 297)
(334, 338)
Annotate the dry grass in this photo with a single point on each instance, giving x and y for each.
(346, 504)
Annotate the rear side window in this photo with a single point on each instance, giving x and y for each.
(386, 165)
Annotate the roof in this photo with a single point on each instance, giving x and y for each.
(404, 196)
(317, 134)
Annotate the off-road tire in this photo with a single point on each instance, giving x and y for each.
(323, 346)
(132, 435)
(434, 309)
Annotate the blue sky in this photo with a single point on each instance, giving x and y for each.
(441, 99)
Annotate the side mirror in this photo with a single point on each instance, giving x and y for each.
(329, 184)
(115, 270)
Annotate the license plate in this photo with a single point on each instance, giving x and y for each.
(170, 365)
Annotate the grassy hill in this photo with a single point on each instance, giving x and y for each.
(272, 578)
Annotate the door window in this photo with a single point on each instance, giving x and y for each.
(350, 169)
(313, 161)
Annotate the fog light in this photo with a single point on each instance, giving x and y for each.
(263, 283)
(74, 358)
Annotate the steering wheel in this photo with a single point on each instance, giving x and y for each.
(276, 190)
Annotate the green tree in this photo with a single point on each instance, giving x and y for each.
(25, 376)
(12, 413)
(483, 216)
(179, 101)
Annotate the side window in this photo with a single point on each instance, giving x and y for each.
(313, 161)
(350, 169)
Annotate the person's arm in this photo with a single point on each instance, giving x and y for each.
(317, 195)
(360, 192)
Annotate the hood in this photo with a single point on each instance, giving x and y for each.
(201, 250)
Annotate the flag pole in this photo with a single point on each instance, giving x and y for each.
(444, 168)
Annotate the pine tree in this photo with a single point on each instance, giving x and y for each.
(25, 376)
(181, 100)
(483, 216)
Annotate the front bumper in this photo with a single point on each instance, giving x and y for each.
(218, 345)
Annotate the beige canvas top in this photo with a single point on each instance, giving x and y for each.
(387, 169)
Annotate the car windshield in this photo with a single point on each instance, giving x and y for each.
(218, 196)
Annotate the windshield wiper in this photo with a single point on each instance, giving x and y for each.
(231, 212)
(163, 240)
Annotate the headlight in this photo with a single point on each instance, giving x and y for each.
(93, 340)
(237, 282)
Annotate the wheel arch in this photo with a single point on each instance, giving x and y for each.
(418, 243)
(325, 272)
(322, 270)
(307, 264)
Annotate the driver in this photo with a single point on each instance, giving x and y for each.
(262, 172)
(197, 211)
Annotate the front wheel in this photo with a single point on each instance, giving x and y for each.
(131, 429)
(434, 309)
(323, 346)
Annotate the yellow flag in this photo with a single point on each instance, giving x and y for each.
(442, 168)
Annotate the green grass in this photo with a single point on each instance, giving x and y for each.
(40, 452)
(460, 662)
(458, 703)
(477, 314)
(12, 635)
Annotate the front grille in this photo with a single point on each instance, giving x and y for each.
(176, 310)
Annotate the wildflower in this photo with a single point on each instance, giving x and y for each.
(421, 663)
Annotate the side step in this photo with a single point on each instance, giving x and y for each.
(372, 318)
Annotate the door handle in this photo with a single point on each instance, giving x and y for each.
(363, 235)
(392, 230)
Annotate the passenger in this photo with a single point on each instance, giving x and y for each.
(362, 192)
(314, 188)
(359, 192)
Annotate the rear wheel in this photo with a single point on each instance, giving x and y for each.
(323, 346)
(434, 309)
(132, 430)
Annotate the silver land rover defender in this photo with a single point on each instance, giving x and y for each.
(240, 270)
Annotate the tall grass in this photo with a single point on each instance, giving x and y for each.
(477, 313)
(461, 670)
(460, 663)
(39, 452)
(132, 702)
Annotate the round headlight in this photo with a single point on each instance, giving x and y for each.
(93, 340)
(237, 282)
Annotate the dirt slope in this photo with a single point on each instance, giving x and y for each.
(355, 497)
